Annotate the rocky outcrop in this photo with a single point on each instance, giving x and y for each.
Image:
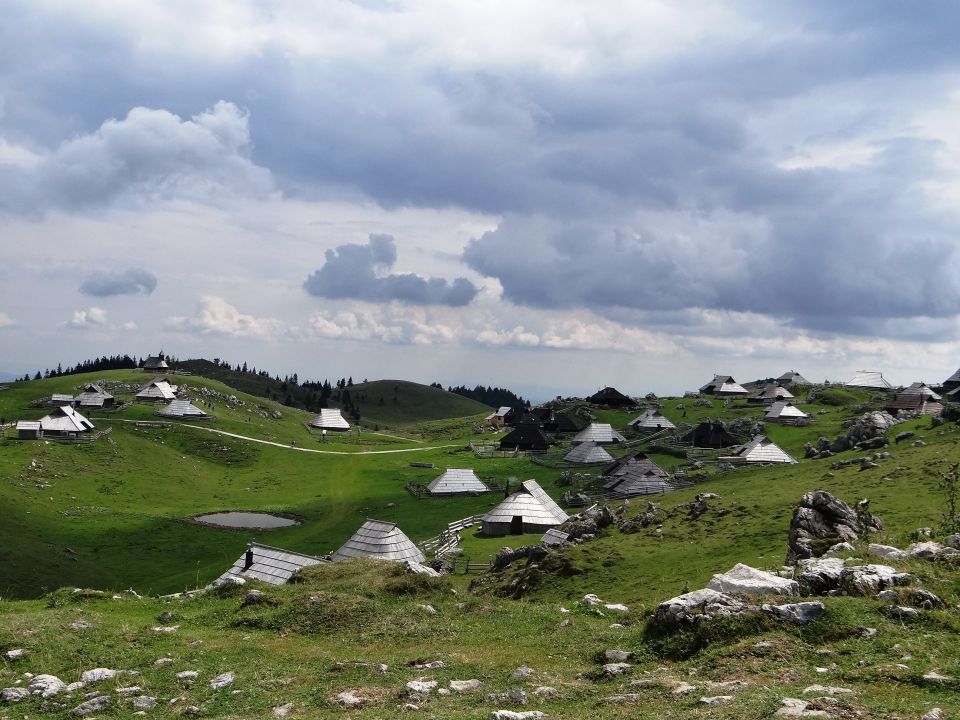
(867, 432)
(745, 580)
(702, 606)
(831, 576)
(823, 520)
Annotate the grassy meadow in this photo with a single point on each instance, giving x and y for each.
(116, 514)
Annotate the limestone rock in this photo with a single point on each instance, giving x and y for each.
(887, 552)
(187, 675)
(617, 655)
(513, 715)
(695, 607)
(522, 673)
(546, 692)
(819, 576)
(827, 690)
(46, 685)
(13, 694)
(868, 580)
(465, 686)
(222, 680)
(822, 518)
(98, 674)
(614, 669)
(797, 613)
(144, 702)
(793, 707)
(745, 580)
(92, 705)
(591, 600)
(716, 699)
(282, 711)
(348, 699)
(421, 687)
(15, 654)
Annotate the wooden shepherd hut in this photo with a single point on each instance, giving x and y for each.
(526, 438)
(382, 541)
(457, 481)
(272, 565)
(529, 510)
(710, 434)
(610, 397)
(724, 386)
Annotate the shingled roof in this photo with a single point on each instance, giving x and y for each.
(784, 412)
(65, 420)
(268, 564)
(457, 481)
(792, 377)
(723, 385)
(870, 380)
(181, 409)
(380, 540)
(93, 396)
(761, 450)
(637, 475)
(531, 503)
(587, 453)
(599, 433)
(610, 396)
(651, 420)
(330, 419)
(158, 389)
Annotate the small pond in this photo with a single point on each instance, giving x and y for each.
(246, 520)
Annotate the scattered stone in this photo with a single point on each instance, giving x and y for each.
(144, 702)
(15, 654)
(46, 685)
(13, 694)
(887, 596)
(514, 697)
(421, 687)
(696, 607)
(187, 675)
(348, 699)
(81, 625)
(166, 629)
(614, 669)
(428, 609)
(624, 698)
(935, 714)
(797, 613)
(165, 617)
(465, 686)
(820, 575)
(253, 597)
(793, 707)
(868, 580)
(98, 674)
(190, 711)
(129, 690)
(745, 580)
(683, 688)
(222, 680)
(936, 677)
(827, 690)
(74, 686)
(444, 692)
(616, 607)
(91, 706)
(843, 547)
(281, 711)
(716, 699)
(546, 692)
(617, 655)
(904, 613)
(591, 601)
(162, 662)
(513, 715)
(434, 665)
(868, 633)
(522, 673)
(888, 552)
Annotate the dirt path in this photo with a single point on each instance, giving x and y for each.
(312, 450)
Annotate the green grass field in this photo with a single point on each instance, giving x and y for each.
(116, 514)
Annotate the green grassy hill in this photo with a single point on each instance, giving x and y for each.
(396, 403)
(116, 513)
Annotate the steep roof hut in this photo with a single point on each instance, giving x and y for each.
(636, 475)
(499, 417)
(611, 397)
(792, 377)
(565, 422)
(94, 396)
(525, 437)
(157, 390)
(759, 450)
(529, 510)
(651, 421)
(588, 453)
(182, 410)
(156, 363)
(330, 419)
(917, 402)
(770, 393)
(28, 429)
(457, 481)
(59, 399)
(601, 433)
(724, 386)
(952, 382)
(869, 380)
(554, 538)
(710, 434)
(784, 413)
(382, 541)
(920, 388)
(64, 422)
(268, 564)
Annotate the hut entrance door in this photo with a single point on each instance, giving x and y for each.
(516, 525)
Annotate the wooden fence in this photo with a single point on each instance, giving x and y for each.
(84, 439)
(449, 539)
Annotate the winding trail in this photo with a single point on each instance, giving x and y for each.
(321, 452)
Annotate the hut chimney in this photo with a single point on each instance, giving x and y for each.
(248, 558)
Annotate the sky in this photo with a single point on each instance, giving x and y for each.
(545, 195)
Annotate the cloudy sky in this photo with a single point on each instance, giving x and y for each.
(547, 195)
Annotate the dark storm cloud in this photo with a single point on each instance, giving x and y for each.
(134, 281)
(654, 188)
(350, 272)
